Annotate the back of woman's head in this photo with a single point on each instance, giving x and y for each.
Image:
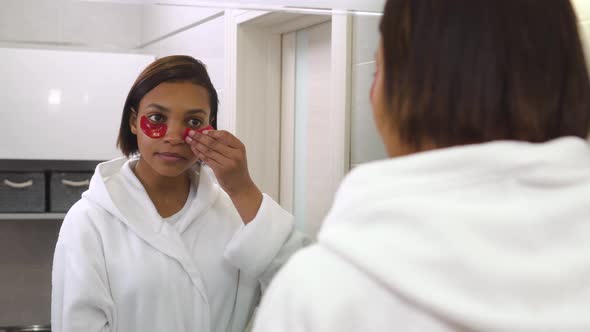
(470, 71)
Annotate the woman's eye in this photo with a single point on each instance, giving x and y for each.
(195, 123)
(156, 118)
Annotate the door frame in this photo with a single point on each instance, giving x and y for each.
(252, 104)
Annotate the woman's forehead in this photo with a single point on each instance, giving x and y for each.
(183, 97)
(175, 109)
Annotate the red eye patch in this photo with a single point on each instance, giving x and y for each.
(200, 130)
(154, 130)
(151, 129)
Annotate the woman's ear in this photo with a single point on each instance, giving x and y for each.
(133, 121)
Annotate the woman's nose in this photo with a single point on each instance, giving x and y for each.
(175, 132)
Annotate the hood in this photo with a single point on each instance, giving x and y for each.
(124, 196)
(492, 237)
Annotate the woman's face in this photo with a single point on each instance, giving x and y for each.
(175, 107)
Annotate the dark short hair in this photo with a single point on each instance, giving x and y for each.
(175, 68)
(471, 71)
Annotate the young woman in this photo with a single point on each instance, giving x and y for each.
(480, 221)
(159, 243)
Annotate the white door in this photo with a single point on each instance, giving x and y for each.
(305, 118)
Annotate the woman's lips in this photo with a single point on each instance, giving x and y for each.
(168, 156)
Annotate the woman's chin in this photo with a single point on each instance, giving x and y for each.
(171, 169)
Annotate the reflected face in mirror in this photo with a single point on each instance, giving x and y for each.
(174, 106)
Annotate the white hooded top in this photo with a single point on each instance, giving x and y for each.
(119, 266)
(488, 237)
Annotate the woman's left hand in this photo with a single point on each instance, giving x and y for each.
(226, 155)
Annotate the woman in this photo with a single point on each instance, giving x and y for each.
(480, 221)
(155, 244)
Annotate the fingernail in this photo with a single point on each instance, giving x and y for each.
(189, 139)
(191, 133)
(206, 132)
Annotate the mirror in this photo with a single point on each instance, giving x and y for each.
(65, 61)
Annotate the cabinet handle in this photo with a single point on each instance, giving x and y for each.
(70, 183)
(16, 185)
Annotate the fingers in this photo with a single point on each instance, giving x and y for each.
(213, 159)
(204, 143)
(214, 151)
(225, 137)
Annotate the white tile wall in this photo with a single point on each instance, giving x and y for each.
(204, 42)
(74, 103)
(105, 25)
(370, 5)
(97, 25)
(30, 20)
(366, 145)
(160, 20)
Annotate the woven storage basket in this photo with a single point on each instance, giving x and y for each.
(22, 192)
(66, 188)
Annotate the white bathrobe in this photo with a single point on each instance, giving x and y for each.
(119, 266)
(490, 237)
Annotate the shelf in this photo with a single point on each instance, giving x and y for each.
(24, 165)
(32, 216)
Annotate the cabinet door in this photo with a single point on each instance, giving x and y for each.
(306, 168)
(63, 104)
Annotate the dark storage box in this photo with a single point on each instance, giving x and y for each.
(66, 188)
(22, 192)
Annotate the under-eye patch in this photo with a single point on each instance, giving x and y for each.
(153, 130)
(200, 130)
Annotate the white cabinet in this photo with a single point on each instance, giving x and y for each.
(63, 104)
